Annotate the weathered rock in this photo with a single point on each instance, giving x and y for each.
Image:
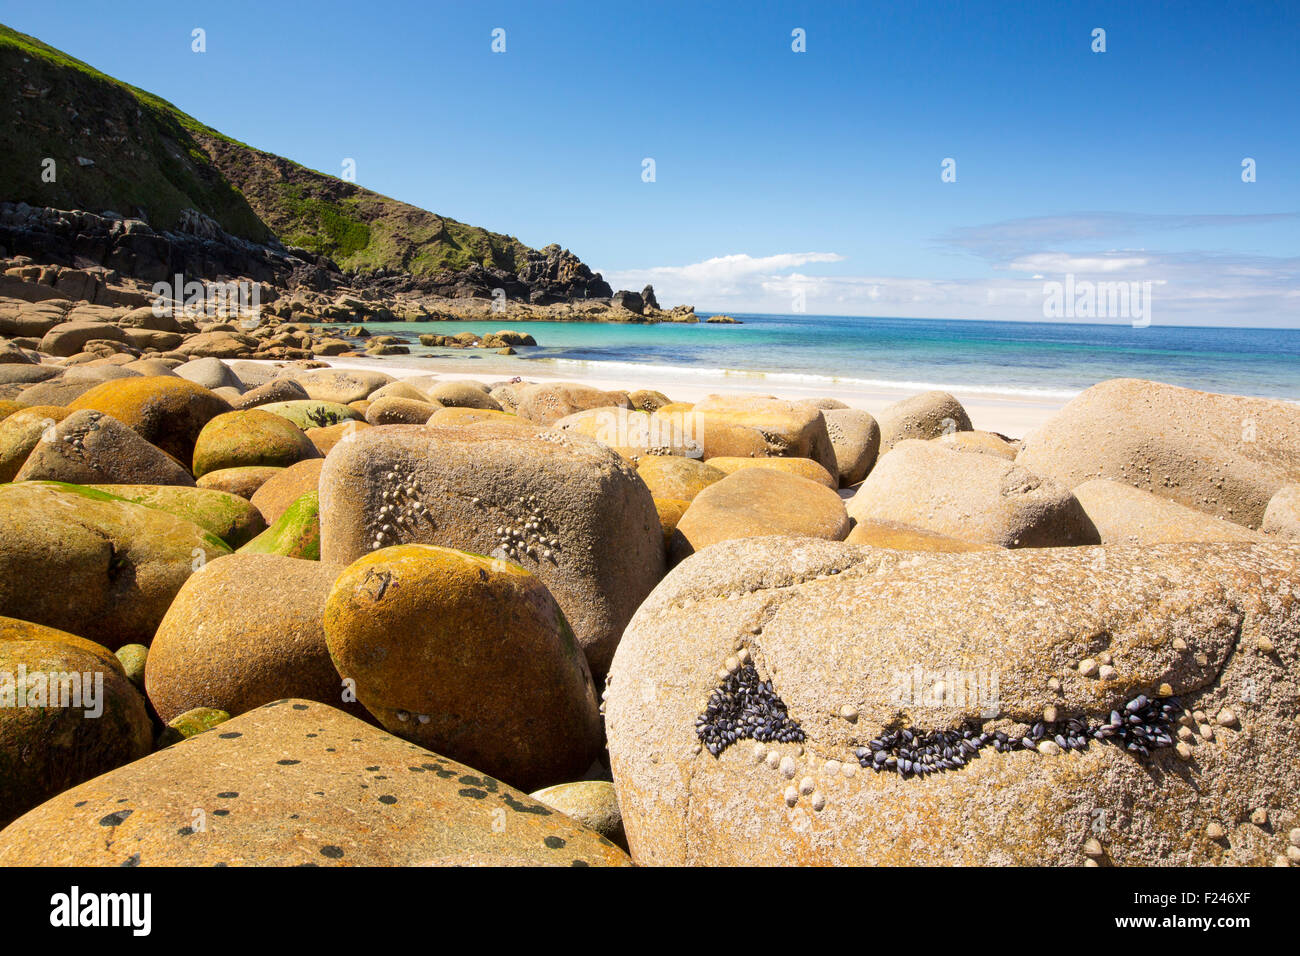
(592, 803)
(463, 395)
(855, 438)
(549, 402)
(746, 426)
(210, 373)
(302, 784)
(90, 447)
(341, 386)
(971, 497)
(21, 431)
(1282, 517)
(855, 640)
(399, 411)
(248, 438)
(923, 417)
(398, 389)
(231, 518)
(133, 658)
(1221, 454)
(69, 338)
(312, 414)
(468, 654)
(190, 724)
(166, 411)
(672, 476)
(634, 435)
(984, 443)
(759, 501)
(55, 391)
(276, 390)
(569, 510)
(280, 491)
(94, 564)
(904, 537)
(1123, 514)
(670, 513)
(329, 436)
(295, 534)
(219, 344)
(462, 417)
(67, 713)
(648, 400)
(238, 481)
(246, 630)
(803, 467)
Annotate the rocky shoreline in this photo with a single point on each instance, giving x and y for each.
(640, 612)
(109, 260)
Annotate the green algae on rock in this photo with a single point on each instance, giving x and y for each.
(296, 534)
(92, 563)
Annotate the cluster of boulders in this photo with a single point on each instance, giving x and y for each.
(328, 607)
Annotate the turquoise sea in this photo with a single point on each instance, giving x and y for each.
(1037, 360)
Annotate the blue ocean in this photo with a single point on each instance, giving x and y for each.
(1037, 360)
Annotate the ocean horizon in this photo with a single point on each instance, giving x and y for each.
(1048, 360)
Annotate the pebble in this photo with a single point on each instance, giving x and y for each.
(1226, 718)
(1180, 644)
(849, 712)
(791, 796)
(1259, 817)
(832, 767)
(773, 759)
(818, 801)
(1104, 658)
(807, 785)
(1088, 667)
(1049, 713)
(1215, 832)
(1265, 645)
(1048, 748)
(1185, 733)
(1184, 750)
(1107, 672)
(1053, 684)
(1093, 847)
(787, 767)
(1294, 837)
(1293, 853)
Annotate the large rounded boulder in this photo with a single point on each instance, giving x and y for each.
(246, 630)
(91, 563)
(1224, 455)
(753, 502)
(924, 416)
(297, 783)
(467, 655)
(250, 438)
(780, 702)
(89, 447)
(568, 509)
(67, 713)
(166, 410)
(972, 497)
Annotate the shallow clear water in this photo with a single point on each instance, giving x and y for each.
(1041, 359)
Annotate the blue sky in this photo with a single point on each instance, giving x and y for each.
(780, 173)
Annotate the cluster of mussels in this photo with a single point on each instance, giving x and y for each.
(744, 707)
(1142, 726)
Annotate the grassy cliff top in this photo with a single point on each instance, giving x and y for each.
(120, 148)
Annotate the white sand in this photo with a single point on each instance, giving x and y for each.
(1013, 415)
